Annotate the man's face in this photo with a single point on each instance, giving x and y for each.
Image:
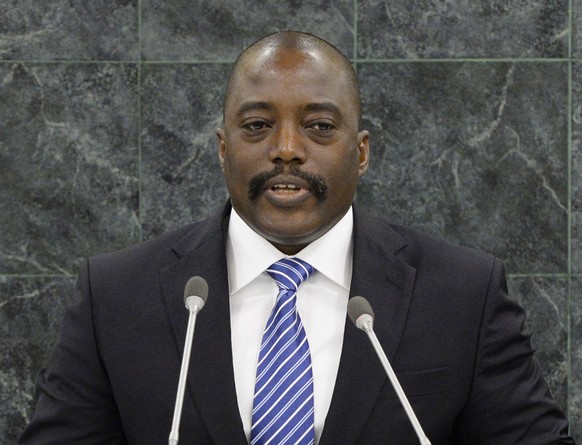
(290, 148)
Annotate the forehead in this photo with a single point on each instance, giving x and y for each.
(288, 77)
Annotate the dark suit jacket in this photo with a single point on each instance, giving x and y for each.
(442, 315)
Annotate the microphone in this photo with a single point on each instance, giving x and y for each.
(361, 313)
(195, 295)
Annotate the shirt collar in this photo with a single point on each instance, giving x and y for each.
(249, 254)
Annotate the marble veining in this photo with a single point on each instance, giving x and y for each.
(209, 30)
(484, 167)
(577, 169)
(64, 30)
(546, 303)
(451, 29)
(181, 177)
(576, 366)
(31, 310)
(68, 164)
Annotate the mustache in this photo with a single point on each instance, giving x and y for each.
(316, 183)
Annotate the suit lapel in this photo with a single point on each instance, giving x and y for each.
(387, 282)
(211, 375)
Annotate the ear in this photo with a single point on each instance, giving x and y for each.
(363, 150)
(221, 146)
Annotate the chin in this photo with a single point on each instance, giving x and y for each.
(292, 238)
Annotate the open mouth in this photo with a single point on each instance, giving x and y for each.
(286, 191)
(286, 184)
(285, 188)
(295, 183)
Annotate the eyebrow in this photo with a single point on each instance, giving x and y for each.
(254, 106)
(323, 106)
(266, 106)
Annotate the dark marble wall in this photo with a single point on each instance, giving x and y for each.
(107, 117)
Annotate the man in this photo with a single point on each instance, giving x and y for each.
(292, 154)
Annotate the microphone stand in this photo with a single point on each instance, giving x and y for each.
(193, 305)
(366, 326)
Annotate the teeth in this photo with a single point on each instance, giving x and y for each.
(285, 187)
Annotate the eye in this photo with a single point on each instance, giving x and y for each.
(322, 126)
(255, 125)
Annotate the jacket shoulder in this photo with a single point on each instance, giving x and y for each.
(433, 255)
(156, 252)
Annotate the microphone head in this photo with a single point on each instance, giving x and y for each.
(196, 287)
(357, 307)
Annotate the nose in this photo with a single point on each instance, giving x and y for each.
(288, 145)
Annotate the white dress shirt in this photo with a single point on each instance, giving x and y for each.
(321, 302)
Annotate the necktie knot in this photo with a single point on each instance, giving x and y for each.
(289, 273)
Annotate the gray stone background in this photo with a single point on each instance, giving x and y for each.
(107, 117)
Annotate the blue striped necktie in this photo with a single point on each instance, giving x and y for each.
(283, 402)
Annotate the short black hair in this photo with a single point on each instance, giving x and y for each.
(295, 40)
